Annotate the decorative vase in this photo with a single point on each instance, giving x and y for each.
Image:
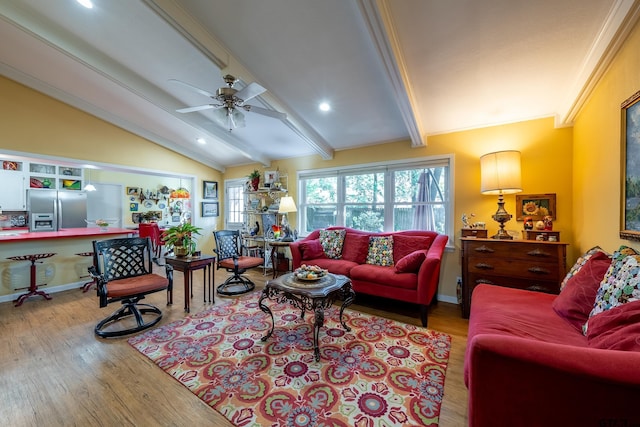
(255, 182)
(104, 228)
(180, 251)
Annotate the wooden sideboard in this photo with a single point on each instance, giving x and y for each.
(523, 264)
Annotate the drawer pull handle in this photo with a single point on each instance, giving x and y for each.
(484, 249)
(488, 282)
(539, 270)
(538, 253)
(483, 266)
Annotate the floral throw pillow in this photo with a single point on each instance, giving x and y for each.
(580, 262)
(621, 283)
(332, 241)
(380, 250)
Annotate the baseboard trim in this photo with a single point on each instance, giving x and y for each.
(51, 290)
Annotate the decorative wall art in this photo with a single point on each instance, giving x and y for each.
(209, 209)
(209, 190)
(630, 170)
(133, 191)
(535, 206)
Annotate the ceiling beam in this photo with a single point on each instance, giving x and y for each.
(378, 20)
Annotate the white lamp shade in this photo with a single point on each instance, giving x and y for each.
(287, 205)
(500, 173)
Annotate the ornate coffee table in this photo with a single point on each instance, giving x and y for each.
(308, 296)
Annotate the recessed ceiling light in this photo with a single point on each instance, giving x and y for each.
(201, 141)
(86, 3)
(324, 106)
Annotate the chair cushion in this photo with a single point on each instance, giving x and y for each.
(380, 250)
(617, 328)
(578, 296)
(355, 247)
(244, 262)
(403, 245)
(412, 262)
(311, 249)
(332, 242)
(136, 285)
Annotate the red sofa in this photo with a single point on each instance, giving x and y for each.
(526, 365)
(416, 284)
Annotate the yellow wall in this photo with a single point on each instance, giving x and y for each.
(596, 155)
(35, 123)
(546, 168)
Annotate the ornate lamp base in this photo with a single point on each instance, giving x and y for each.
(501, 216)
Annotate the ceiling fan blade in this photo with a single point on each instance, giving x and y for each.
(265, 112)
(198, 108)
(197, 89)
(250, 91)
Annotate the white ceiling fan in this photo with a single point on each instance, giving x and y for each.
(229, 101)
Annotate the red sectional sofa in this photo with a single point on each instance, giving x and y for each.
(412, 277)
(528, 362)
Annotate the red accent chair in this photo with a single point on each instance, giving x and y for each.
(152, 231)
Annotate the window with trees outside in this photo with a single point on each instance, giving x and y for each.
(412, 195)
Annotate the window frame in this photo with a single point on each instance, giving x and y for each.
(389, 188)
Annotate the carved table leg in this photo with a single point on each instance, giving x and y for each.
(267, 310)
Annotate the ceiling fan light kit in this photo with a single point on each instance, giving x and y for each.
(230, 100)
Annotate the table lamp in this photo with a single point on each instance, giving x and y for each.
(500, 174)
(286, 205)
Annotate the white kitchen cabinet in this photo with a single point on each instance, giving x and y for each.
(13, 196)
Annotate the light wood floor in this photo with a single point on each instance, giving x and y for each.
(55, 372)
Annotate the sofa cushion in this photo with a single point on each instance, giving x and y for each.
(335, 266)
(355, 247)
(617, 328)
(621, 283)
(332, 242)
(412, 262)
(383, 276)
(403, 245)
(380, 250)
(578, 296)
(311, 249)
(582, 260)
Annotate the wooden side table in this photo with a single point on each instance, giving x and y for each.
(187, 265)
(279, 262)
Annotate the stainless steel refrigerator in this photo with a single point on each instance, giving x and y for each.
(52, 210)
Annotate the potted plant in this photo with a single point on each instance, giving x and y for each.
(254, 179)
(181, 238)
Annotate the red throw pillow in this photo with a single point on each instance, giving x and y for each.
(312, 249)
(403, 245)
(576, 300)
(411, 263)
(355, 247)
(617, 328)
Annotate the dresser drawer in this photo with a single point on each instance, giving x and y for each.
(526, 251)
(539, 269)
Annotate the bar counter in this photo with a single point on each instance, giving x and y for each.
(64, 270)
(21, 235)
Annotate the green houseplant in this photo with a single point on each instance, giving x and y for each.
(182, 238)
(254, 179)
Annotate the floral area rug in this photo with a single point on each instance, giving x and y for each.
(382, 373)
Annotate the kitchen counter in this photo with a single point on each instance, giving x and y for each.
(21, 235)
(67, 269)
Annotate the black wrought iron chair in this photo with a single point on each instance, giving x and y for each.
(123, 271)
(229, 253)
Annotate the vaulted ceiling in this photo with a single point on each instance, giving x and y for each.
(391, 70)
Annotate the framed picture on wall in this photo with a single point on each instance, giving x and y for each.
(535, 206)
(133, 191)
(209, 190)
(209, 209)
(630, 170)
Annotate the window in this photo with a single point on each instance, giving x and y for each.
(235, 204)
(378, 197)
